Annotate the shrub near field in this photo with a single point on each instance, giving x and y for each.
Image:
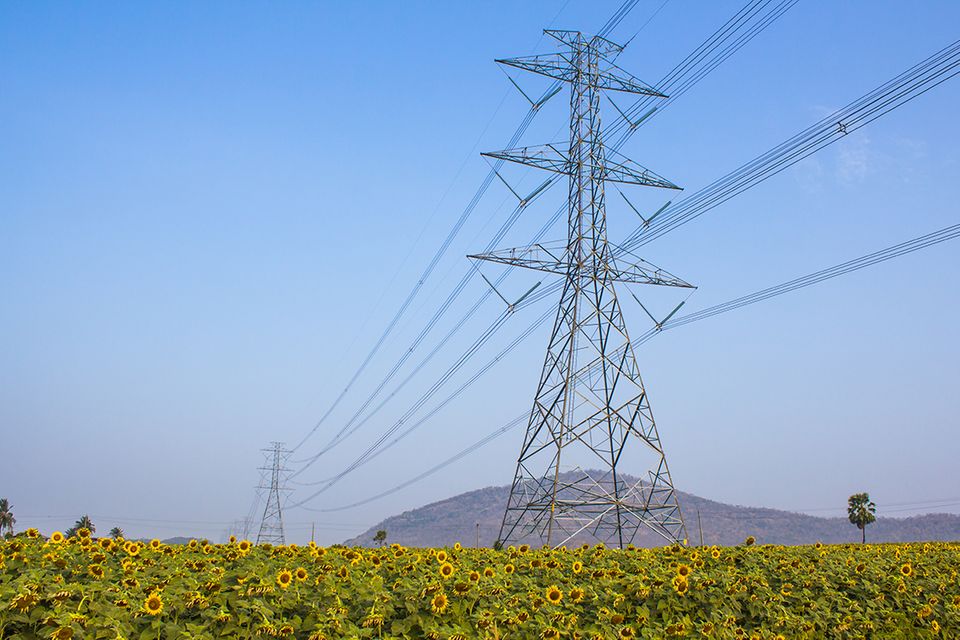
(102, 588)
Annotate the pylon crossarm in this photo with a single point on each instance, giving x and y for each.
(552, 157)
(559, 67)
(550, 257)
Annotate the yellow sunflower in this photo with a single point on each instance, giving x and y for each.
(56, 537)
(446, 570)
(488, 572)
(554, 595)
(549, 634)
(576, 594)
(96, 571)
(62, 633)
(153, 605)
(284, 578)
(906, 570)
(683, 570)
(577, 567)
(439, 603)
(243, 546)
(509, 568)
(301, 574)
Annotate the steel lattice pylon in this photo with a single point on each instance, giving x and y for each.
(590, 404)
(271, 526)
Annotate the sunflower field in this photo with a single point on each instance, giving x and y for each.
(85, 587)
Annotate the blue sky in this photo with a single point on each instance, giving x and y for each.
(210, 211)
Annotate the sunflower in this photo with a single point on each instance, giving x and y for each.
(461, 588)
(925, 612)
(626, 632)
(681, 586)
(549, 634)
(715, 554)
(56, 537)
(474, 576)
(32, 533)
(446, 570)
(508, 569)
(284, 578)
(155, 544)
(62, 633)
(786, 589)
(441, 556)
(524, 548)
(576, 594)
(83, 532)
(439, 603)
(243, 546)
(23, 602)
(153, 605)
(301, 574)
(96, 571)
(683, 570)
(488, 572)
(343, 572)
(457, 546)
(750, 541)
(232, 539)
(577, 567)
(906, 570)
(554, 595)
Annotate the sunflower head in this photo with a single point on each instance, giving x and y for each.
(446, 570)
(549, 634)
(577, 594)
(83, 532)
(284, 578)
(906, 570)
(62, 633)
(577, 566)
(243, 546)
(683, 570)
(554, 595)
(750, 541)
(488, 572)
(509, 568)
(438, 604)
(96, 571)
(56, 537)
(153, 605)
(301, 574)
(32, 533)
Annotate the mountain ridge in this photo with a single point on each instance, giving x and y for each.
(456, 519)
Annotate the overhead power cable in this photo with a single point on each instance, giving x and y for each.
(623, 10)
(679, 74)
(862, 262)
(904, 96)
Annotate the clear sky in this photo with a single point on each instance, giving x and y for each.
(210, 211)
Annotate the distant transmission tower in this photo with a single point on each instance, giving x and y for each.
(590, 404)
(271, 526)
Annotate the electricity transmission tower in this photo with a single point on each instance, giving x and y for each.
(271, 526)
(590, 404)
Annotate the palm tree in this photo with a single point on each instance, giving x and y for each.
(116, 532)
(83, 523)
(6, 516)
(860, 511)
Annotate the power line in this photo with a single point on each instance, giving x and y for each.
(882, 255)
(677, 75)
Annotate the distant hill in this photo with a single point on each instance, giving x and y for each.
(455, 520)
